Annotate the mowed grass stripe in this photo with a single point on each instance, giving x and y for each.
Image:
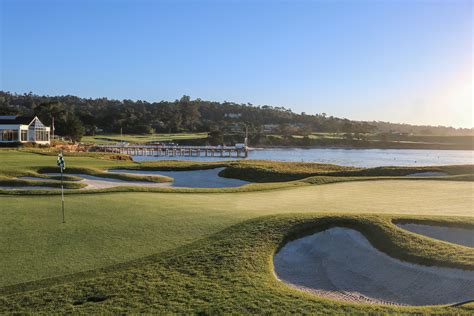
(105, 229)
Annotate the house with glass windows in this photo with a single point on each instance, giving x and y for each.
(23, 129)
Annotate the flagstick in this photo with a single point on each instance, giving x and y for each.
(62, 194)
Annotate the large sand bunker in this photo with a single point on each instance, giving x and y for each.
(208, 178)
(181, 179)
(340, 263)
(455, 235)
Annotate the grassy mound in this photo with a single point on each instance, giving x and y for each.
(103, 174)
(11, 182)
(231, 272)
(271, 171)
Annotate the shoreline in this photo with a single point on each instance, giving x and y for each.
(352, 148)
(258, 147)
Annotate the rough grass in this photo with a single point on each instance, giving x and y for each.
(9, 182)
(230, 272)
(103, 174)
(271, 171)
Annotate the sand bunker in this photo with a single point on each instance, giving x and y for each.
(182, 179)
(192, 179)
(340, 263)
(427, 174)
(461, 236)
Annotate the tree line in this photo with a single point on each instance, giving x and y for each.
(75, 116)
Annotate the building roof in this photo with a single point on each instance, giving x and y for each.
(12, 119)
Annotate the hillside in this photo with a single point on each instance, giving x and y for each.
(187, 115)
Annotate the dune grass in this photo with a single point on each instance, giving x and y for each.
(230, 272)
(271, 171)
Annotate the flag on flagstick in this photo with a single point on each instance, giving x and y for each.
(60, 162)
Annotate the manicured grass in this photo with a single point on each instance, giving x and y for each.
(24, 163)
(131, 138)
(207, 251)
(103, 229)
(231, 272)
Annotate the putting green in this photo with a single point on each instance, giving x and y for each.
(104, 229)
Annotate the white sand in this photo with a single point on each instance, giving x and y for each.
(182, 179)
(340, 263)
(461, 236)
(208, 178)
(427, 174)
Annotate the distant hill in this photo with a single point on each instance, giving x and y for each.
(387, 127)
(187, 115)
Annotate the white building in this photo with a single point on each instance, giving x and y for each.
(233, 115)
(23, 129)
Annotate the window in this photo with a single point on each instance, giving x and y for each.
(24, 136)
(41, 135)
(9, 135)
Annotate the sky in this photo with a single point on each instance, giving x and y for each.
(402, 61)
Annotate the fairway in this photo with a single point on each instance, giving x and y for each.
(156, 137)
(104, 229)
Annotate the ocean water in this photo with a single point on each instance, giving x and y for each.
(349, 157)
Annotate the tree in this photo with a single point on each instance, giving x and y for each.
(216, 137)
(189, 112)
(73, 129)
(47, 110)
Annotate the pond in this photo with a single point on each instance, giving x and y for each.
(350, 157)
(181, 179)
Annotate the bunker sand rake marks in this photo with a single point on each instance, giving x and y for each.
(341, 263)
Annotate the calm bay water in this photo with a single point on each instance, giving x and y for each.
(350, 157)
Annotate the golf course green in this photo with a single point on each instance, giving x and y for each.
(209, 251)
